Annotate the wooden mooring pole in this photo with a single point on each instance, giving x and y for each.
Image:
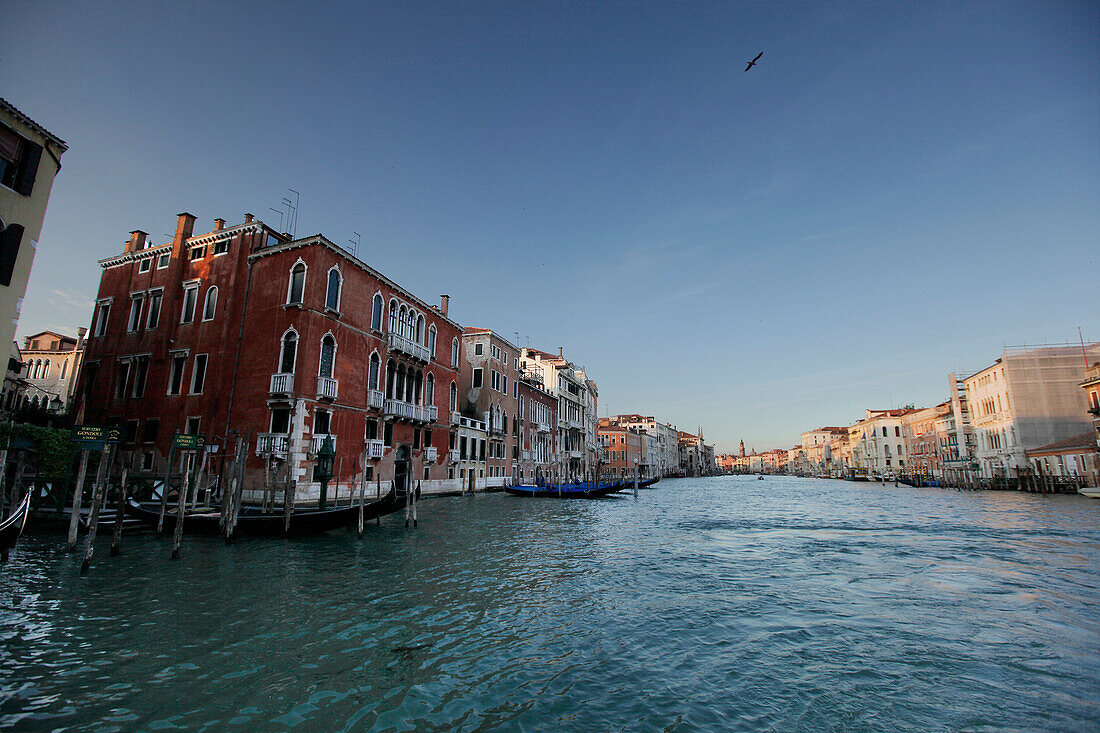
(164, 489)
(120, 514)
(78, 493)
(186, 486)
(98, 492)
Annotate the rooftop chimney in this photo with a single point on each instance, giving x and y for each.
(560, 354)
(444, 302)
(137, 241)
(185, 226)
(248, 218)
(219, 224)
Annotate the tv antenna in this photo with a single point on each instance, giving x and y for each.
(281, 215)
(355, 243)
(294, 219)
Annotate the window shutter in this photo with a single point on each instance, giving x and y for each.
(28, 168)
(9, 251)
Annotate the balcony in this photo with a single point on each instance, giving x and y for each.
(453, 456)
(282, 384)
(532, 376)
(496, 429)
(575, 454)
(319, 440)
(375, 399)
(274, 444)
(326, 388)
(431, 454)
(542, 427)
(407, 411)
(456, 418)
(525, 455)
(375, 449)
(397, 342)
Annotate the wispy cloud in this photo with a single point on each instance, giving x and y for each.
(71, 301)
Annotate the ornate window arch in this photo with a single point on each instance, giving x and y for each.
(454, 352)
(454, 397)
(64, 368)
(373, 372)
(431, 340)
(45, 368)
(288, 352)
(393, 326)
(210, 305)
(391, 378)
(332, 291)
(429, 389)
(419, 329)
(296, 288)
(327, 365)
(376, 312)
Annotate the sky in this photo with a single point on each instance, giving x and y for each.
(895, 191)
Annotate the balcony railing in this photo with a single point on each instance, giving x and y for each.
(409, 411)
(431, 453)
(375, 399)
(576, 454)
(496, 429)
(453, 456)
(326, 388)
(397, 342)
(319, 440)
(272, 444)
(282, 383)
(542, 427)
(375, 449)
(532, 376)
(456, 418)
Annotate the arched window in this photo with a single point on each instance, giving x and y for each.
(372, 375)
(454, 397)
(431, 341)
(64, 368)
(289, 352)
(393, 326)
(332, 295)
(454, 352)
(328, 356)
(418, 382)
(420, 329)
(211, 304)
(376, 313)
(391, 378)
(429, 389)
(45, 368)
(297, 287)
(403, 322)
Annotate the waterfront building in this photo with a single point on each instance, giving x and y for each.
(490, 388)
(538, 426)
(880, 448)
(666, 459)
(1029, 398)
(469, 452)
(51, 364)
(569, 385)
(14, 391)
(928, 435)
(591, 423)
(816, 450)
(243, 332)
(622, 451)
(1091, 386)
(30, 158)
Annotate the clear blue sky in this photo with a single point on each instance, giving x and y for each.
(893, 193)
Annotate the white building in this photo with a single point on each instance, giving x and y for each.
(666, 461)
(880, 448)
(576, 410)
(1029, 398)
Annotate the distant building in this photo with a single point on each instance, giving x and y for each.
(665, 459)
(576, 411)
(927, 434)
(51, 366)
(30, 157)
(538, 430)
(881, 445)
(623, 451)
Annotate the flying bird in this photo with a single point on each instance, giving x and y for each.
(753, 62)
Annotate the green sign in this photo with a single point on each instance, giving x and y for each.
(183, 441)
(95, 434)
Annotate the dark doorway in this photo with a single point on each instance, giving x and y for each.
(401, 469)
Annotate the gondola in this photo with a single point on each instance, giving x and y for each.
(12, 526)
(252, 522)
(586, 490)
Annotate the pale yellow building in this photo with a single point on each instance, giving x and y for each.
(30, 157)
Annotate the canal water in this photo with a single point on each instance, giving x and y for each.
(723, 603)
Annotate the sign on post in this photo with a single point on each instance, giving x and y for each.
(94, 436)
(183, 441)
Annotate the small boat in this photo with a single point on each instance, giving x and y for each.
(12, 526)
(759, 478)
(586, 490)
(252, 522)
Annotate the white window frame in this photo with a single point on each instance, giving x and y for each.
(290, 282)
(206, 303)
(133, 320)
(145, 264)
(195, 373)
(163, 260)
(339, 287)
(192, 287)
(159, 294)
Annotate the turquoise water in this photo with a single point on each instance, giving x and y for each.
(705, 604)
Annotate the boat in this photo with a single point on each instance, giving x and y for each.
(12, 526)
(586, 490)
(252, 522)
(1091, 492)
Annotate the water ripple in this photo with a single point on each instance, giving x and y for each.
(712, 604)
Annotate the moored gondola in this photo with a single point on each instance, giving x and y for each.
(252, 522)
(586, 490)
(12, 526)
